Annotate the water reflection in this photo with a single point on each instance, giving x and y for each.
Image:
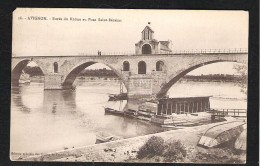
(54, 108)
(17, 99)
(59, 100)
(54, 119)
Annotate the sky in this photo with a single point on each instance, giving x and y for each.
(187, 29)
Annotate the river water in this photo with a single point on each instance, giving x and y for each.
(46, 121)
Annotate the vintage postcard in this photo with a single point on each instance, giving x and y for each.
(120, 85)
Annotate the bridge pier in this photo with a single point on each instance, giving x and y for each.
(140, 86)
(53, 81)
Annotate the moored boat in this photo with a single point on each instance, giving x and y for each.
(120, 96)
(24, 79)
(221, 133)
(102, 137)
(115, 108)
(115, 97)
(113, 111)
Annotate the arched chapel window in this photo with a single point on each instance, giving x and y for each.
(141, 67)
(126, 66)
(55, 67)
(146, 49)
(159, 66)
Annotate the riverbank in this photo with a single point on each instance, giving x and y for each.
(66, 119)
(126, 150)
(93, 78)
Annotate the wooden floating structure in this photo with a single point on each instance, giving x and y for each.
(190, 105)
(165, 111)
(160, 110)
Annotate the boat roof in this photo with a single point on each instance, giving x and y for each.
(185, 98)
(177, 98)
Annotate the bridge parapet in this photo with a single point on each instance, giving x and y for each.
(174, 52)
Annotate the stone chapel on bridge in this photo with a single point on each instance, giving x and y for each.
(149, 45)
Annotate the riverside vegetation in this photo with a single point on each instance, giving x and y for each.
(155, 149)
(169, 151)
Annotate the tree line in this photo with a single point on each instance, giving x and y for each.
(36, 71)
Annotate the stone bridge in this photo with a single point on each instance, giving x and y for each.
(141, 74)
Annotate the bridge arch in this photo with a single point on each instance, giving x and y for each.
(146, 49)
(18, 68)
(73, 73)
(176, 77)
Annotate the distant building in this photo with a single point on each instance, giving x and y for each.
(149, 45)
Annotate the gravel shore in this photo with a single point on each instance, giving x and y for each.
(125, 150)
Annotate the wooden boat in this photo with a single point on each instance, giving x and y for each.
(115, 108)
(113, 111)
(144, 113)
(168, 126)
(24, 79)
(131, 113)
(221, 133)
(115, 97)
(120, 96)
(171, 126)
(241, 141)
(102, 137)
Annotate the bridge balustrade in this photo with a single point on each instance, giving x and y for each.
(191, 51)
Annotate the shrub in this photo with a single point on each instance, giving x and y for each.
(154, 146)
(175, 151)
